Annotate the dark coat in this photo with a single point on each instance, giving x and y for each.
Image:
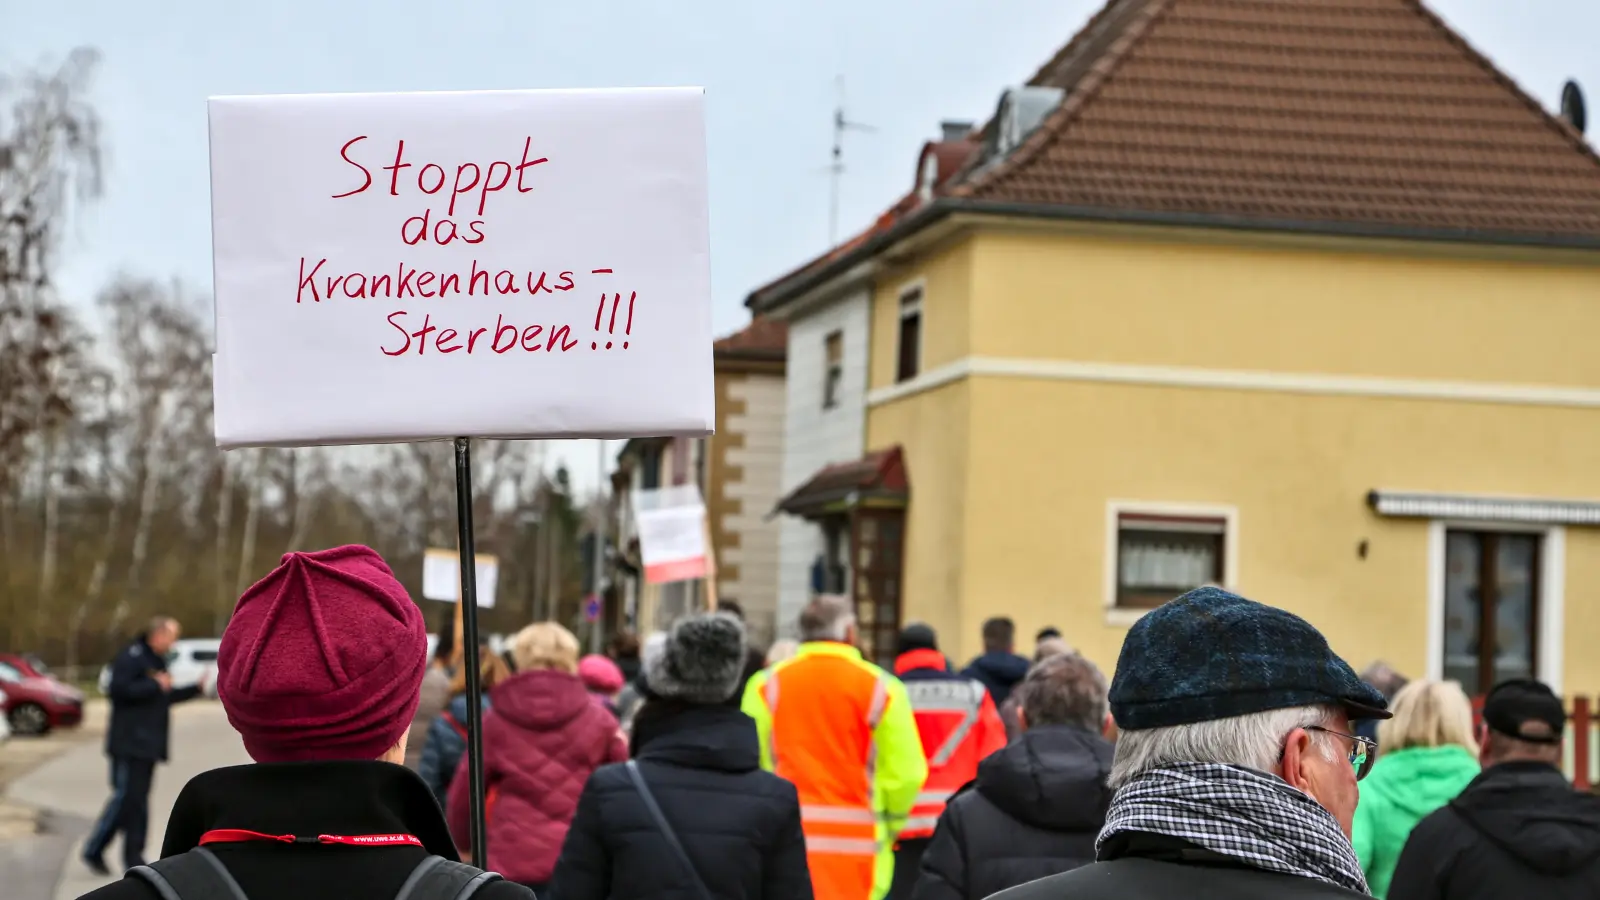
(1137, 866)
(344, 798)
(542, 738)
(1034, 810)
(1518, 830)
(739, 824)
(999, 672)
(441, 752)
(138, 728)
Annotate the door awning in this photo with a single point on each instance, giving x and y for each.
(875, 480)
(1466, 507)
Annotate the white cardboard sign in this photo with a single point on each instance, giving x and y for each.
(441, 576)
(395, 267)
(671, 523)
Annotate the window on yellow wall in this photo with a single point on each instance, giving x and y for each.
(1160, 557)
(908, 359)
(833, 377)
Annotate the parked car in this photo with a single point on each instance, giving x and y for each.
(35, 705)
(28, 664)
(190, 661)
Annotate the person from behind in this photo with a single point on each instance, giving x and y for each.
(755, 659)
(1036, 805)
(1388, 682)
(318, 671)
(999, 668)
(1426, 756)
(603, 680)
(435, 696)
(630, 697)
(698, 762)
(1519, 829)
(447, 735)
(542, 738)
(141, 694)
(1047, 647)
(1047, 633)
(842, 730)
(625, 653)
(1235, 768)
(958, 726)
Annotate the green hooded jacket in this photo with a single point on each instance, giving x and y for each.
(1403, 787)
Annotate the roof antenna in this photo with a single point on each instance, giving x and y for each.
(841, 124)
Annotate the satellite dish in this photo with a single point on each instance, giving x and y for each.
(1572, 108)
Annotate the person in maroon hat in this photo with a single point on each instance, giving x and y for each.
(319, 672)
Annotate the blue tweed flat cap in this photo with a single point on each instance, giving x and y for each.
(1214, 655)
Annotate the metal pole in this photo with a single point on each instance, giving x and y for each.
(469, 637)
(599, 547)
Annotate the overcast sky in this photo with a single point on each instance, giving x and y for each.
(769, 70)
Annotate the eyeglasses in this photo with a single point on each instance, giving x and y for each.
(1363, 751)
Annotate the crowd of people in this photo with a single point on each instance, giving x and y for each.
(1232, 755)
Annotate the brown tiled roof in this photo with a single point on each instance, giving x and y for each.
(1335, 116)
(1336, 111)
(764, 338)
(880, 474)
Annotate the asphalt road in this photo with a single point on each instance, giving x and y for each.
(71, 788)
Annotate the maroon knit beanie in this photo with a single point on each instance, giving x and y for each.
(323, 659)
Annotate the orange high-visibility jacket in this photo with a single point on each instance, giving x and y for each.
(959, 726)
(841, 730)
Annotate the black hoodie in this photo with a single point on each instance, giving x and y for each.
(1518, 830)
(1034, 810)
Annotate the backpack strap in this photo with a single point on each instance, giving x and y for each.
(437, 878)
(195, 875)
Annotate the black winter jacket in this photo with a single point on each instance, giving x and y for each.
(739, 824)
(138, 728)
(308, 799)
(1034, 810)
(1137, 866)
(999, 672)
(1518, 830)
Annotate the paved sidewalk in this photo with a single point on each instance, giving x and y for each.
(73, 786)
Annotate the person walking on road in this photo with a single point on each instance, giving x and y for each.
(447, 736)
(542, 738)
(697, 763)
(1426, 755)
(999, 668)
(842, 730)
(1235, 769)
(1036, 805)
(958, 726)
(141, 693)
(319, 672)
(1519, 829)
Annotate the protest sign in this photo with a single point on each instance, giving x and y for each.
(441, 576)
(393, 267)
(672, 533)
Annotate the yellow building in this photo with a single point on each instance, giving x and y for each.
(1297, 298)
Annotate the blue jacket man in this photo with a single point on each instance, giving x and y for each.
(141, 691)
(999, 668)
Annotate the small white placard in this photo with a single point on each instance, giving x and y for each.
(394, 267)
(672, 533)
(441, 576)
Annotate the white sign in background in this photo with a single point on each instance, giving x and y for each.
(393, 267)
(671, 523)
(441, 576)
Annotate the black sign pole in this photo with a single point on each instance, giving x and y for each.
(469, 637)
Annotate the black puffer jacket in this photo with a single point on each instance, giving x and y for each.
(739, 825)
(1034, 810)
(1518, 830)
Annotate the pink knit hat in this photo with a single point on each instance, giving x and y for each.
(600, 674)
(323, 659)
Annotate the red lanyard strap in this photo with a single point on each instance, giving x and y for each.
(239, 835)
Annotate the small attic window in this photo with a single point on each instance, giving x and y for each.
(1021, 111)
(927, 175)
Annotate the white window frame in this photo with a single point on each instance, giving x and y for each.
(1116, 509)
(919, 286)
(1551, 602)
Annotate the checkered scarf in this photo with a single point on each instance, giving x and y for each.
(1241, 813)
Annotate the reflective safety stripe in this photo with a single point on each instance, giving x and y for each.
(920, 823)
(934, 796)
(847, 846)
(880, 700)
(841, 814)
(770, 692)
(953, 742)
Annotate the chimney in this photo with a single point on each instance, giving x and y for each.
(1573, 109)
(953, 130)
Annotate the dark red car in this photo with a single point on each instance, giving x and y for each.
(34, 705)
